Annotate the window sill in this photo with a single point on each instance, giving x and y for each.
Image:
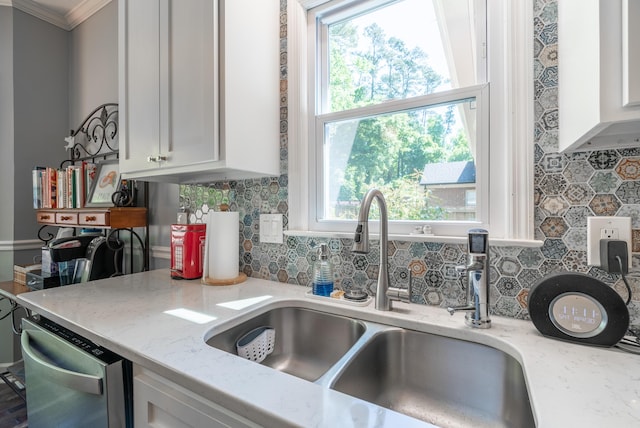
(418, 238)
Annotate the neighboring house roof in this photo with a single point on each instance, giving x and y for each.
(449, 173)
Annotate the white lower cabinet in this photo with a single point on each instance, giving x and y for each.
(158, 402)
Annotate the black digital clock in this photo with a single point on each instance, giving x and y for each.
(578, 308)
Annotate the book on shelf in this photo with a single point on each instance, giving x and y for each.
(36, 176)
(64, 187)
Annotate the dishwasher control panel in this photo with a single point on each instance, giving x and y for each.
(76, 340)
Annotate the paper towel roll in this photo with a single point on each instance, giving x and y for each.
(222, 245)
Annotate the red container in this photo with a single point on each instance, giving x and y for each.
(187, 250)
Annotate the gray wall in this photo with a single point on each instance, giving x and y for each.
(33, 113)
(93, 63)
(7, 353)
(40, 57)
(6, 135)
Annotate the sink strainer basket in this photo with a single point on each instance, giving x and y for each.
(256, 344)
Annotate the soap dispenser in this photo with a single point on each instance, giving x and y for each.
(323, 273)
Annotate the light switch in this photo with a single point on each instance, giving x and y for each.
(271, 228)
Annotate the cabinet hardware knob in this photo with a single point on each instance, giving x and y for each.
(65, 217)
(90, 218)
(45, 217)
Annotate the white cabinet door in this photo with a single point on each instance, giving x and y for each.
(169, 83)
(159, 402)
(199, 89)
(139, 115)
(596, 78)
(189, 123)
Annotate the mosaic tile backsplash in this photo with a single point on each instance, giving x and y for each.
(568, 189)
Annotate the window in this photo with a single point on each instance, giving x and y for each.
(398, 98)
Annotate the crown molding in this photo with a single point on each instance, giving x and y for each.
(69, 21)
(84, 11)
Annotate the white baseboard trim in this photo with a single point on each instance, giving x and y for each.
(4, 366)
(26, 244)
(161, 252)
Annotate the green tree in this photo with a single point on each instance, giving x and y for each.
(389, 151)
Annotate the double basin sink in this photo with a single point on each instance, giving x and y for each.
(441, 380)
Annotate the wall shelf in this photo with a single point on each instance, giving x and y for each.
(104, 218)
(96, 140)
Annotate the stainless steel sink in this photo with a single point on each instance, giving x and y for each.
(307, 342)
(444, 381)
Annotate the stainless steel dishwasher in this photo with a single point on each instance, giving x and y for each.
(72, 382)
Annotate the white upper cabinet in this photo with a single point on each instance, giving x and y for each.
(599, 74)
(199, 89)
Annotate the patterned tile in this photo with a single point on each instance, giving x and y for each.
(552, 162)
(578, 171)
(568, 189)
(629, 169)
(528, 277)
(633, 211)
(508, 306)
(554, 205)
(554, 248)
(508, 266)
(604, 159)
(417, 267)
(604, 205)
(530, 257)
(578, 194)
(577, 216)
(553, 227)
(549, 77)
(550, 118)
(576, 261)
(635, 240)
(549, 58)
(576, 238)
(629, 192)
(549, 34)
(523, 298)
(553, 184)
(604, 182)
(432, 297)
(549, 13)
(549, 140)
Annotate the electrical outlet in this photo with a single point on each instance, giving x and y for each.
(606, 228)
(609, 233)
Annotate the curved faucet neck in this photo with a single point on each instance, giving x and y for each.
(382, 300)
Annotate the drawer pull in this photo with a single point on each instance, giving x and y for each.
(90, 218)
(158, 158)
(65, 217)
(45, 217)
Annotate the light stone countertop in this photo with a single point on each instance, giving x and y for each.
(570, 385)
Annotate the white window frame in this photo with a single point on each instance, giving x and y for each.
(510, 73)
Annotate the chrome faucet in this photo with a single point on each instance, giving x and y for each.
(384, 293)
(477, 284)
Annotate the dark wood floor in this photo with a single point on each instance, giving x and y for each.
(13, 409)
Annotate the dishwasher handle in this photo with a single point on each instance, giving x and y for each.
(73, 380)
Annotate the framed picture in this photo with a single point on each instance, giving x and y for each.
(104, 184)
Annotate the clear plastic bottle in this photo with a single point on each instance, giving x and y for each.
(323, 273)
